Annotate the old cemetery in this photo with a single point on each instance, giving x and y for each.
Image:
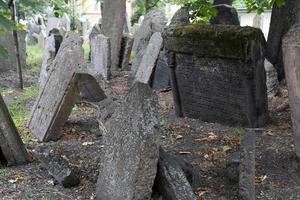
(161, 107)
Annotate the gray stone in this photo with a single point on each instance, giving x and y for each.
(233, 166)
(57, 166)
(12, 149)
(291, 50)
(272, 79)
(114, 14)
(161, 76)
(226, 14)
(131, 148)
(96, 30)
(150, 57)
(7, 41)
(283, 18)
(247, 166)
(213, 79)
(127, 43)
(180, 17)
(154, 21)
(100, 56)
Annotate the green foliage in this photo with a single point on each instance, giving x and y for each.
(34, 55)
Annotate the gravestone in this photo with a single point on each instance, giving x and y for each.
(226, 14)
(96, 30)
(180, 17)
(100, 56)
(58, 96)
(282, 19)
(52, 45)
(150, 57)
(127, 43)
(113, 19)
(12, 150)
(291, 50)
(7, 42)
(154, 21)
(131, 148)
(272, 79)
(161, 78)
(217, 73)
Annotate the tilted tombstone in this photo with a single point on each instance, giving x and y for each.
(114, 14)
(100, 56)
(217, 73)
(154, 21)
(150, 57)
(127, 43)
(161, 78)
(52, 45)
(58, 96)
(226, 14)
(282, 19)
(131, 148)
(291, 50)
(12, 150)
(7, 41)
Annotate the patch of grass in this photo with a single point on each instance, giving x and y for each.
(86, 49)
(34, 55)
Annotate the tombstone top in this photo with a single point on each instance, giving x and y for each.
(226, 41)
(292, 37)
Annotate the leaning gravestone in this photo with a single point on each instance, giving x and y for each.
(226, 14)
(7, 42)
(150, 57)
(58, 96)
(127, 43)
(217, 73)
(114, 14)
(283, 18)
(154, 21)
(52, 45)
(12, 150)
(100, 56)
(291, 50)
(131, 148)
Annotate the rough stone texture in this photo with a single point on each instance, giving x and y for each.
(291, 50)
(96, 30)
(127, 43)
(180, 17)
(57, 166)
(114, 14)
(57, 97)
(51, 47)
(283, 18)
(131, 148)
(7, 41)
(226, 14)
(154, 21)
(161, 77)
(150, 57)
(175, 178)
(272, 79)
(233, 166)
(101, 56)
(12, 150)
(62, 24)
(247, 166)
(217, 73)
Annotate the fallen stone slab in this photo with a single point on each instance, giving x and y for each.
(58, 166)
(131, 148)
(175, 178)
(12, 149)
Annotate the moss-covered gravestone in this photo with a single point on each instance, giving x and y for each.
(218, 74)
(12, 150)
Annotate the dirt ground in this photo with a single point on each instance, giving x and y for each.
(205, 145)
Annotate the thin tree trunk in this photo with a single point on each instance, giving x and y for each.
(17, 47)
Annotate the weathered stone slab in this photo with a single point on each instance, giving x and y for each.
(12, 150)
(161, 76)
(226, 14)
(291, 50)
(131, 148)
(150, 57)
(51, 47)
(7, 41)
(100, 56)
(217, 73)
(114, 16)
(180, 17)
(154, 21)
(57, 166)
(272, 79)
(283, 18)
(127, 43)
(174, 178)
